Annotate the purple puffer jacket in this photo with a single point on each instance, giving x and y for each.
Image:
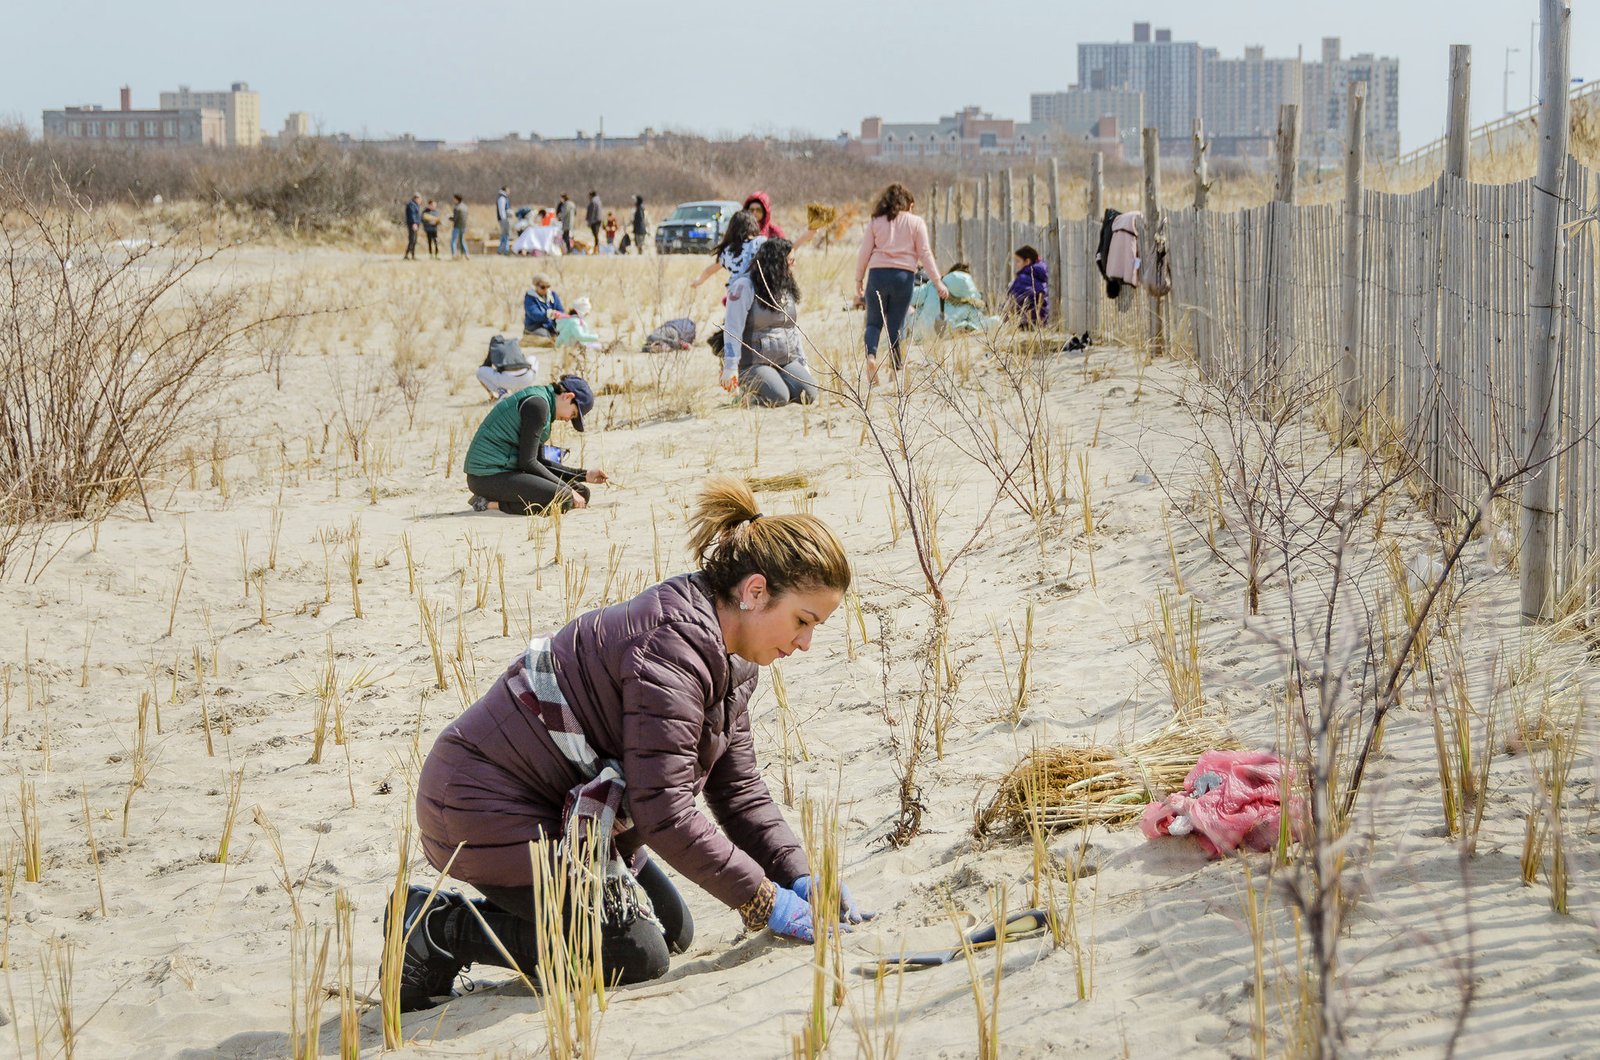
(1030, 293)
(653, 686)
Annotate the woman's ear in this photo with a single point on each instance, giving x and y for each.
(753, 592)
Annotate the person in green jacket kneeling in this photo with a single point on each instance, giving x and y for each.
(511, 465)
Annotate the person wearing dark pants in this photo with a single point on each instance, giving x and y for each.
(594, 217)
(510, 464)
(430, 227)
(502, 214)
(413, 223)
(566, 213)
(635, 945)
(894, 244)
(615, 727)
(888, 298)
(640, 225)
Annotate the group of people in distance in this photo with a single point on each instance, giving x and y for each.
(606, 730)
(424, 219)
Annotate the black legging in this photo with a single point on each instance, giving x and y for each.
(888, 295)
(521, 493)
(635, 952)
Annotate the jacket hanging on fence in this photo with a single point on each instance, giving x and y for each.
(1119, 254)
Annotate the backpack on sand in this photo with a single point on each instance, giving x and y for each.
(505, 354)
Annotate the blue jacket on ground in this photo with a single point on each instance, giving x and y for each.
(536, 311)
(1029, 295)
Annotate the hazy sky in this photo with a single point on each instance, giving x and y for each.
(486, 67)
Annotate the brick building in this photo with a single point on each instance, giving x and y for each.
(972, 133)
(164, 127)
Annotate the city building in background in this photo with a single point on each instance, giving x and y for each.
(1242, 97)
(296, 126)
(1168, 73)
(972, 133)
(1238, 99)
(240, 106)
(165, 127)
(1326, 111)
(1107, 119)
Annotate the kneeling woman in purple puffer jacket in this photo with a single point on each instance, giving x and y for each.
(617, 722)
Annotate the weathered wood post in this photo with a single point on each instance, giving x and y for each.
(987, 198)
(1546, 299)
(1458, 135)
(1443, 365)
(1151, 233)
(1355, 154)
(1097, 210)
(1010, 206)
(961, 222)
(1056, 243)
(1033, 199)
(949, 213)
(933, 218)
(1279, 318)
(1202, 186)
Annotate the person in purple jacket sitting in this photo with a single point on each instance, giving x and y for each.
(618, 722)
(1029, 296)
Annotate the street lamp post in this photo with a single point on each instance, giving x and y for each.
(1505, 82)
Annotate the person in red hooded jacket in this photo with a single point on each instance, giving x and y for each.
(759, 203)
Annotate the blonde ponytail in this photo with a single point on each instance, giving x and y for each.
(732, 539)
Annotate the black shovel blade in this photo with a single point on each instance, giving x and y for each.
(1025, 924)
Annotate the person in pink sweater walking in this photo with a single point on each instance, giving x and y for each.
(893, 245)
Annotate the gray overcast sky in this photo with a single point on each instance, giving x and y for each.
(486, 67)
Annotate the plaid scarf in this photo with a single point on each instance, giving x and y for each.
(599, 805)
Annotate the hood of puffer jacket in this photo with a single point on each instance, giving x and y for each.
(769, 228)
(1036, 276)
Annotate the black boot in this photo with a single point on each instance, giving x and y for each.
(429, 968)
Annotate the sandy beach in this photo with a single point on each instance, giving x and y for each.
(278, 558)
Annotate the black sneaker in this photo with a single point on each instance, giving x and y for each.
(479, 504)
(429, 968)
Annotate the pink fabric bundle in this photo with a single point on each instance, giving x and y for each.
(1229, 799)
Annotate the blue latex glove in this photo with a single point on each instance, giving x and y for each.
(791, 916)
(849, 912)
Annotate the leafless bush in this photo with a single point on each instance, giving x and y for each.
(1301, 518)
(110, 340)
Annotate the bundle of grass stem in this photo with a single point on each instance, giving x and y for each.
(1069, 786)
(789, 480)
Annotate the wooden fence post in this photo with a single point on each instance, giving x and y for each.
(1458, 137)
(949, 202)
(1441, 362)
(1546, 299)
(987, 198)
(1152, 232)
(1010, 205)
(1033, 199)
(1279, 318)
(1056, 243)
(1202, 187)
(933, 229)
(1288, 153)
(1355, 153)
(1097, 209)
(961, 222)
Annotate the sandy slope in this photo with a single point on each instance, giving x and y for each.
(192, 957)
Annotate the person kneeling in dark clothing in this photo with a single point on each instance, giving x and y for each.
(510, 464)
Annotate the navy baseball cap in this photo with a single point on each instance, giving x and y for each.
(582, 396)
